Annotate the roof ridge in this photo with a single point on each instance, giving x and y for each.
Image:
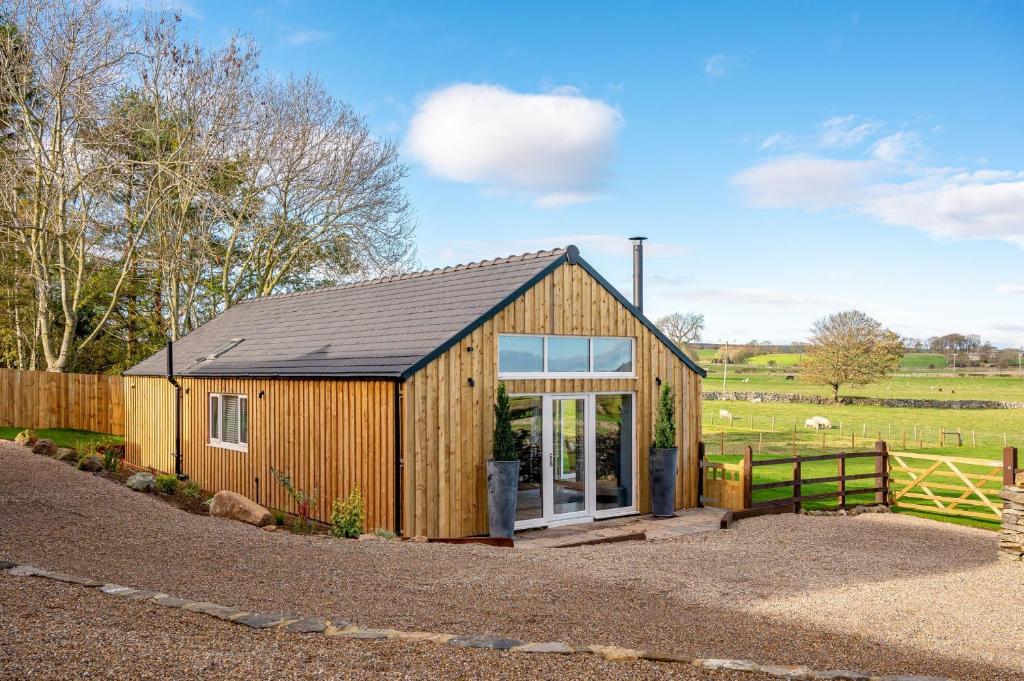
(532, 255)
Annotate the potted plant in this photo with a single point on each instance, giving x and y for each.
(664, 457)
(502, 471)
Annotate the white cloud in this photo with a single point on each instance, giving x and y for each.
(304, 36)
(942, 202)
(897, 147)
(1011, 289)
(777, 140)
(764, 297)
(717, 65)
(553, 148)
(843, 132)
(809, 182)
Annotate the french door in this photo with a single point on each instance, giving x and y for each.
(577, 457)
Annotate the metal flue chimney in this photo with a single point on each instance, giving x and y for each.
(638, 271)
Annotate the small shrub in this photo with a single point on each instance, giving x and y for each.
(665, 424)
(278, 516)
(111, 460)
(192, 490)
(347, 517)
(504, 447)
(168, 484)
(385, 534)
(304, 501)
(26, 437)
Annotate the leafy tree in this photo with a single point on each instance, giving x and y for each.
(850, 348)
(504, 448)
(665, 423)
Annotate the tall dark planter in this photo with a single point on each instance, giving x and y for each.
(663, 481)
(502, 490)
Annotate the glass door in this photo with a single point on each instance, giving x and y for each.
(576, 457)
(570, 457)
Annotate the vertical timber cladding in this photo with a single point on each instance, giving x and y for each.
(447, 423)
(332, 435)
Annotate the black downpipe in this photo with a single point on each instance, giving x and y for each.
(177, 409)
(398, 457)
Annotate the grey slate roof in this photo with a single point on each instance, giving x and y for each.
(379, 328)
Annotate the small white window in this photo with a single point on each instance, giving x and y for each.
(229, 421)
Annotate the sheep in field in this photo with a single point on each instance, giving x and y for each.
(724, 414)
(818, 423)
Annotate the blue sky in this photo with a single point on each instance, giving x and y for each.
(786, 159)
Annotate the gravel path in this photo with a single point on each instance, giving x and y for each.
(880, 593)
(59, 631)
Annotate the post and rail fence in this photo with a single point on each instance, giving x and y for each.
(937, 484)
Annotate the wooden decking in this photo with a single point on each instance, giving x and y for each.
(630, 528)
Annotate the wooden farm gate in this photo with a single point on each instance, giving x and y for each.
(934, 483)
(46, 399)
(951, 485)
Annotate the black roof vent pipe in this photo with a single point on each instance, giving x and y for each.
(638, 271)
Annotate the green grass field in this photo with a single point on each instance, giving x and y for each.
(913, 386)
(912, 360)
(780, 358)
(63, 437)
(983, 429)
(924, 360)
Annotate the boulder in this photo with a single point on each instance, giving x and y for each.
(141, 482)
(91, 463)
(44, 447)
(26, 437)
(234, 506)
(65, 454)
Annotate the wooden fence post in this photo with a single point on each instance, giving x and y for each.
(1009, 465)
(882, 472)
(797, 505)
(842, 480)
(700, 474)
(748, 474)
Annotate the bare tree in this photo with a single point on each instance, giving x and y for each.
(148, 182)
(58, 70)
(850, 348)
(682, 329)
(319, 197)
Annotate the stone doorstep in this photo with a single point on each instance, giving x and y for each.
(337, 627)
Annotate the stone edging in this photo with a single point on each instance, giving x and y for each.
(317, 625)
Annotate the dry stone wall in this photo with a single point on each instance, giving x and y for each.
(797, 398)
(1011, 538)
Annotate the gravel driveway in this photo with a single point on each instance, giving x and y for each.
(880, 593)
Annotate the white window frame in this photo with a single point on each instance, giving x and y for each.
(215, 438)
(527, 375)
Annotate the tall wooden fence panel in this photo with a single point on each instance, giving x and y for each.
(43, 399)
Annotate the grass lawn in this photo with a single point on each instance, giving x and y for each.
(924, 360)
(705, 355)
(63, 437)
(781, 359)
(987, 425)
(911, 386)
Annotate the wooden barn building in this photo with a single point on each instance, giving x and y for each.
(389, 385)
